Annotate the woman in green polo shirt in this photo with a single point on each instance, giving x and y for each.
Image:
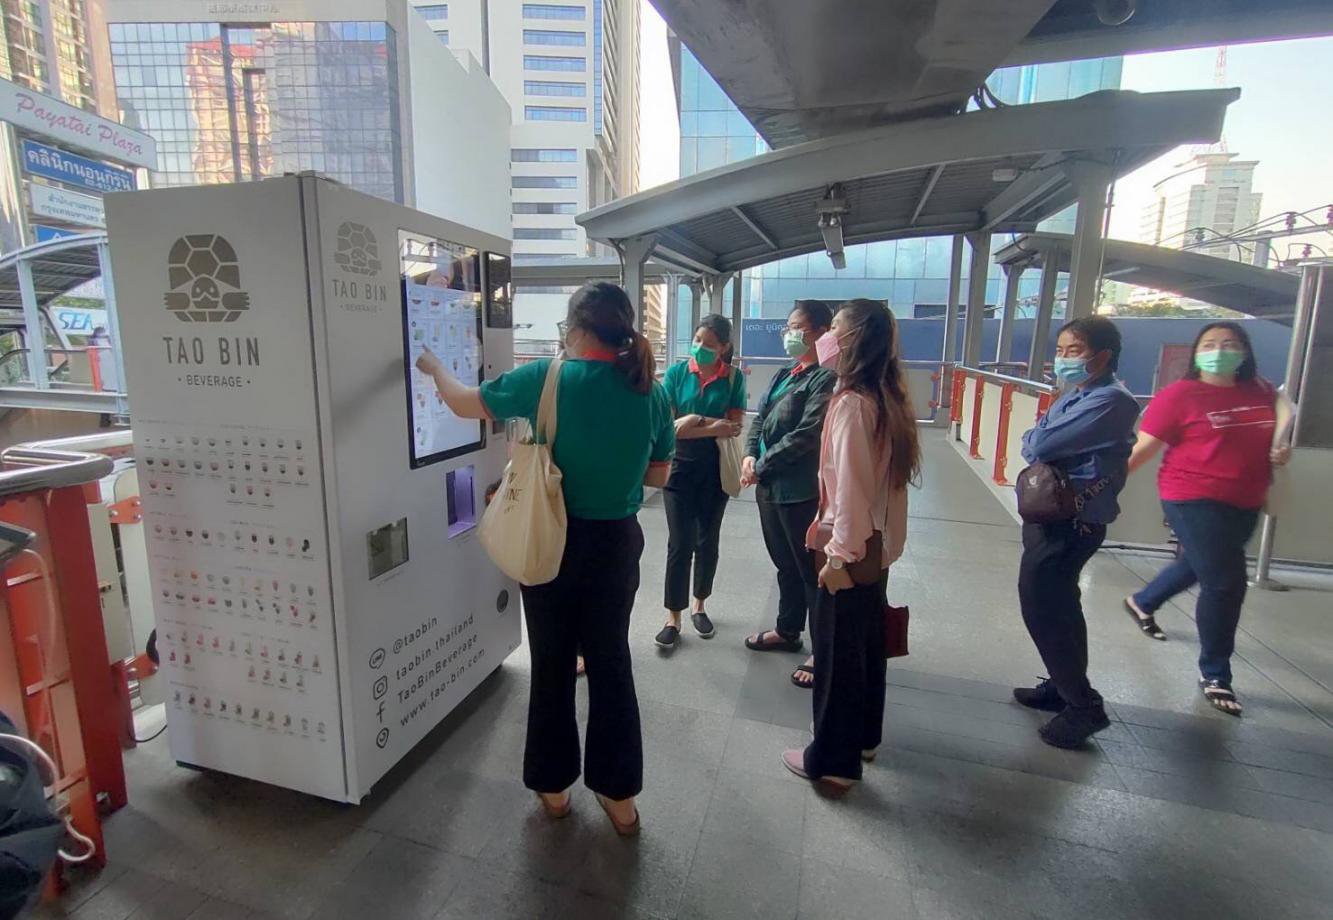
(782, 459)
(707, 395)
(614, 435)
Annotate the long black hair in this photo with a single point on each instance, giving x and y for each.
(869, 364)
(1249, 368)
(720, 326)
(604, 310)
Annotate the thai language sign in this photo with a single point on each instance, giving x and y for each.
(62, 204)
(53, 163)
(91, 133)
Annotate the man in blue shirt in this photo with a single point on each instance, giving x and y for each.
(1088, 433)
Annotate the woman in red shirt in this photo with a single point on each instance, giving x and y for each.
(1217, 426)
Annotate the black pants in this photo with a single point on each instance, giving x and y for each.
(850, 680)
(586, 609)
(784, 527)
(1053, 558)
(695, 504)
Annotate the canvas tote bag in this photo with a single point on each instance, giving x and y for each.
(729, 456)
(523, 529)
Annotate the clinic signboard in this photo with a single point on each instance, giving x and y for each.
(37, 113)
(62, 204)
(54, 163)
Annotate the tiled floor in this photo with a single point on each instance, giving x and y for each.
(1176, 812)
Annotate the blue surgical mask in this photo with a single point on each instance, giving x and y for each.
(1071, 371)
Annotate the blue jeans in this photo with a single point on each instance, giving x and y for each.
(1212, 539)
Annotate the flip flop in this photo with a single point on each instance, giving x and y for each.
(1218, 694)
(1145, 621)
(770, 640)
(803, 669)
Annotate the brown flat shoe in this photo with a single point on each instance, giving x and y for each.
(625, 830)
(554, 811)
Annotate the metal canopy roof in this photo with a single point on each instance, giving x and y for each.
(800, 70)
(930, 177)
(575, 272)
(58, 266)
(1235, 285)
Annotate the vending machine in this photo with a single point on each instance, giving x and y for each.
(310, 504)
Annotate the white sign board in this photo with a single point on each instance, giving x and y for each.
(41, 114)
(74, 207)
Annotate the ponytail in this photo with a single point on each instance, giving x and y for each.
(604, 310)
(638, 363)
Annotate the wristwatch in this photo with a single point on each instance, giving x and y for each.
(836, 564)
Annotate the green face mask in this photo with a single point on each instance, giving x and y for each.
(794, 343)
(1219, 362)
(702, 354)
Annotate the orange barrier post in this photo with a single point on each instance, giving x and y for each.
(53, 656)
(959, 383)
(974, 448)
(1002, 436)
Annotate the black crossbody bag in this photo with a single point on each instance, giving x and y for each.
(1046, 495)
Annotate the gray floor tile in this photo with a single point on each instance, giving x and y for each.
(485, 892)
(736, 878)
(400, 879)
(755, 808)
(835, 892)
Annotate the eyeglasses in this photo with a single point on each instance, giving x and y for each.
(562, 329)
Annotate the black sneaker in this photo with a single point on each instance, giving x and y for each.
(702, 625)
(1072, 727)
(668, 637)
(1044, 696)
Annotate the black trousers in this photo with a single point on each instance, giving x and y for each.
(784, 527)
(695, 504)
(1053, 558)
(586, 610)
(850, 680)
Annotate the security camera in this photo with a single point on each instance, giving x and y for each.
(1114, 12)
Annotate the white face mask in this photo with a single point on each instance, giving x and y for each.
(793, 342)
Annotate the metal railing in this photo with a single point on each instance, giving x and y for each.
(991, 434)
(31, 467)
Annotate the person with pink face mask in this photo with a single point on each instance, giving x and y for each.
(868, 456)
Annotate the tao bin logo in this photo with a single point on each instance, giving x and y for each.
(205, 280)
(358, 250)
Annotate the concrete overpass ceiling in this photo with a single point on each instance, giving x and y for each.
(801, 70)
(1072, 30)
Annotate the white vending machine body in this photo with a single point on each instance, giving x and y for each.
(320, 595)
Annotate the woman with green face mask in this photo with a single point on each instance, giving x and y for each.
(1217, 426)
(782, 461)
(707, 395)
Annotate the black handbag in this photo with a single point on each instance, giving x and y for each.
(1046, 495)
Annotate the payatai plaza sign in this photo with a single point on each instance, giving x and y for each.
(89, 133)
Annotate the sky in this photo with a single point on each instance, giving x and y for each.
(1279, 120)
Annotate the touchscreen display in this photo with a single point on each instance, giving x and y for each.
(442, 311)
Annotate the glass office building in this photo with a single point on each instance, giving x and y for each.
(912, 274)
(233, 103)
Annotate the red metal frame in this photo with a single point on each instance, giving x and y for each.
(958, 381)
(65, 655)
(975, 445)
(1002, 435)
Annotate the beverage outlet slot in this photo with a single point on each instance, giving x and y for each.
(311, 504)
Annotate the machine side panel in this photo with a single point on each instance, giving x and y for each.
(425, 632)
(215, 317)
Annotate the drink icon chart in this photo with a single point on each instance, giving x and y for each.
(441, 312)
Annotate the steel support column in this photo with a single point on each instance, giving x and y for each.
(737, 308)
(672, 317)
(634, 253)
(113, 322)
(974, 319)
(949, 353)
(1004, 348)
(34, 336)
(715, 286)
(1041, 329)
(1091, 180)
(696, 302)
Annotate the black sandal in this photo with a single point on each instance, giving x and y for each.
(778, 642)
(803, 669)
(1218, 694)
(1145, 621)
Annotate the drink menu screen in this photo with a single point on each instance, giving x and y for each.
(442, 312)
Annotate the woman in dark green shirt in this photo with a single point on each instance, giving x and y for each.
(708, 398)
(614, 435)
(782, 460)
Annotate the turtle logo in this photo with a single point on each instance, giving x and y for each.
(205, 280)
(358, 250)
